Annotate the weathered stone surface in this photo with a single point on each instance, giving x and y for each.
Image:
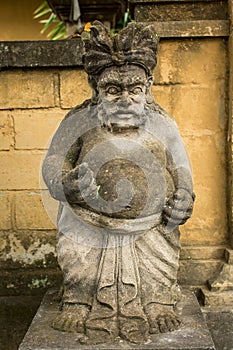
(197, 272)
(193, 334)
(40, 53)
(220, 323)
(222, 279)
(181, 11)
(118, 166)
(182, 19)
(220, 298)
(29, 248)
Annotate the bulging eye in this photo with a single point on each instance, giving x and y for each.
(112, 90)
(136, 90)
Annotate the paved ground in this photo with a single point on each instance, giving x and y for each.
(16, 314)
(220, 323)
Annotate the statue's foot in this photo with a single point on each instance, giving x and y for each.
(161, 318)
(134, 330)
(72, 318)
(99, 330)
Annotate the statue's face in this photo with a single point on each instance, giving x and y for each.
(122, 95)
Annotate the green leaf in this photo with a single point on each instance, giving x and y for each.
(42, 13)
(44, 4)
(48, 22)
(126, 18)
(60, 35)
(56, 30)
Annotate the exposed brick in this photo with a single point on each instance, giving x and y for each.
(5, 213)
(74, 88)
(34, 129)
(20, 170)
(6, 131)
(26, 89)
(30, 212)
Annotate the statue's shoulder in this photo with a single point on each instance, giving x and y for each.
(83, 114)
(159, 114)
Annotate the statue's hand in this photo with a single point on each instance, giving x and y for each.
(179, 208)
(79, 183)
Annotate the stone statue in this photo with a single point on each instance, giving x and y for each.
(118, 166)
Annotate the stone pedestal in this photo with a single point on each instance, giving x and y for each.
(220, 286)
(192, 335)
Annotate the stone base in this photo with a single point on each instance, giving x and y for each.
(220, 298)
(192, 335)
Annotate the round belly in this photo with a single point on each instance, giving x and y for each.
(127, 191)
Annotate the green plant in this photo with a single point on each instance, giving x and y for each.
(58, 27)
(122, 23)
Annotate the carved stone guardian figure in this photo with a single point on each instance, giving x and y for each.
(118, 166)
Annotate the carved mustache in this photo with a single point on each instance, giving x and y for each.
(123, 108)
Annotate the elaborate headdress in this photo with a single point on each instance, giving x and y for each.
(136, 44)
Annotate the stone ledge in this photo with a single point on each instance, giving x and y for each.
(220, 298)
(192, 29)
(47, 53)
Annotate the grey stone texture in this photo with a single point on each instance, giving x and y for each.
(32, 54)
(193, 333)
(119, 168)
(219, 290)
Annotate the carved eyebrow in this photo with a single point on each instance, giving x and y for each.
(108, 81)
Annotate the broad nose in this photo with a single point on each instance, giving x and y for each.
(125, 97)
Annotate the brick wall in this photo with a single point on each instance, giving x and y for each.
(32, 104)
(190, 82)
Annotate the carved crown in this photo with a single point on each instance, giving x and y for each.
(136, 44)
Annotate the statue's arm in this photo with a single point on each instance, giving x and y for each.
(60, 160)
(179, 208)
(65, 179)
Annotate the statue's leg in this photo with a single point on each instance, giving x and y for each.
(79, 263)
(158, 256)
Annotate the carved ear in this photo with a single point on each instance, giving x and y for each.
(149, 82)
(149, 96)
